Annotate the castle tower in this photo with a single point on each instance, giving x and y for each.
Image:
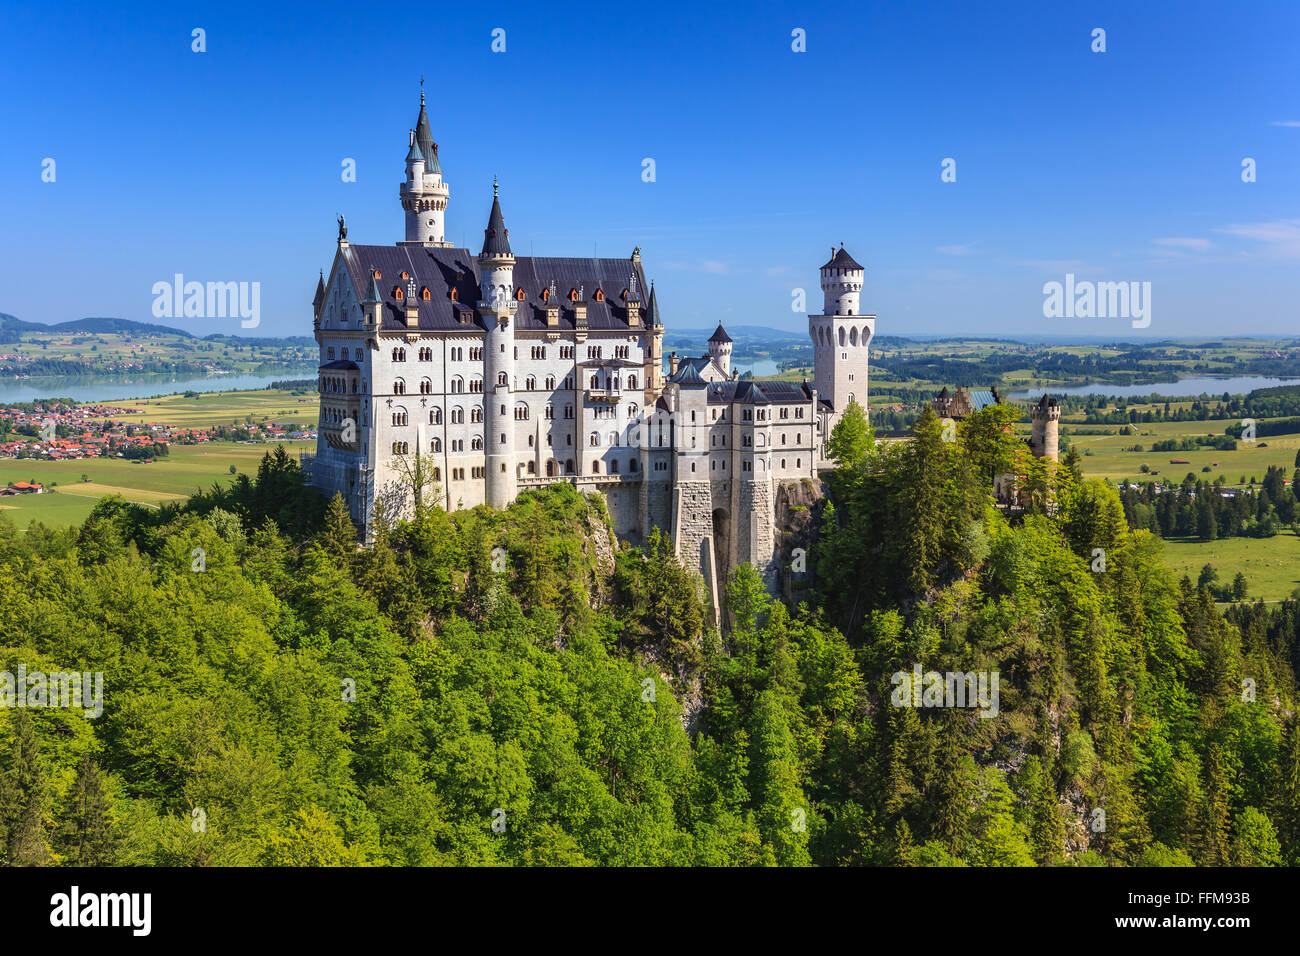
(654, 352)
(497, 308)
(841, 335)
(720, 349)
(424, 195)
(1044, 426)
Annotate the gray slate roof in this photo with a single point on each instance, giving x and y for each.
(442, 269)
(842, 260)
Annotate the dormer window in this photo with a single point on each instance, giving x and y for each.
(405, 275)
(573, 295)
(600, 296)
(378, 274)
(625, 294)
(546, 295)
(454, 296)
(519, 295)
(397, 293)
(425, 295)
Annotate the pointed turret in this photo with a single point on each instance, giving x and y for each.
(424, 140)
(496, 237)
(320, 294)
(654, 306)
(373, 304)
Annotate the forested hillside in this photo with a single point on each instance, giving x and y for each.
(514, 688)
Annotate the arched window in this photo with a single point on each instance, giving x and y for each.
(595, 440)
(435, 416)
(842, 336)
(550, 383)
(595, 381)
(476, 414)
(455, 296)
(600, 296)
(458, 416)
(519, 295)
(435, 445)
(457, 384)
(613, 438)
(853, 336)
(425, 294)
(502, 379)
(399, 387)
(426, 387)
(476, 443)
(631, 411)
(631, 381)
(530, 384)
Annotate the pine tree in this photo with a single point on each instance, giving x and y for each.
(1215, 820)
(339, 535)
(852, 439)
(86, 837)
(1287, 796)
(23, 791)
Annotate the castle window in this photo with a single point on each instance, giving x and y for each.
(399, 387)
(455, 296)
(631, 381)
(550, 383)
(378, 274)
(476, 385)
(405, 275)
(503, 441)
(546, 297)
(437, 474)
(435, 445)
(568, 411)
(568, 467)
(782, 462)
(501, 379)
(631, 465)
(426, 387)
(519, 295)
(550, 411)
(329, 353)
(476, 414)
(841, 336)
(425, 294)
(573, 295)
(613, 467)
(457, 385)
(625, 294)
(613, 438)
(532, 468)
(458, 416)
(476, 444)
(600, 296)
(397, 293)
(595, 440)
(530, 383)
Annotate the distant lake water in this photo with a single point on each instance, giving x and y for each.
(147, 386)
(1185, 387)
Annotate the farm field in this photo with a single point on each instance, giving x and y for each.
(1103, 455)
(1271, 565)
(173, 478)
(225, 408)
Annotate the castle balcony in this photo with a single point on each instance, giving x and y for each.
(604, 395)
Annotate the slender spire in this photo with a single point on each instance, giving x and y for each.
(320, 293)
(372, 294)
(424, 137)
(654, 305)
(496, 237)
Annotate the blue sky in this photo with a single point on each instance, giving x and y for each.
(1115, 166)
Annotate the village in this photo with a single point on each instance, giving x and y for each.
(62, 431)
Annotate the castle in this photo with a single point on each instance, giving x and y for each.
(506, 372)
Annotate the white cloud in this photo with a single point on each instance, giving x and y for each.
(1285, 123)
(1184, 242)
(1280, 238)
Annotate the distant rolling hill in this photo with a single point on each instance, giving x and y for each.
(93, 325)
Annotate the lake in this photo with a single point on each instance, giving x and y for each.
(148, 386)
(1184, 387)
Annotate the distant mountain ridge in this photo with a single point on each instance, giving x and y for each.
(114, 326)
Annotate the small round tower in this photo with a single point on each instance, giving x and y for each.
(720, 346)
(424, 195)
(1045, 420)
(497, 309)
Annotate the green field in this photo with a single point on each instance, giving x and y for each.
(173, 478)
(1104, 457)
(224, 408)
(1271, 565)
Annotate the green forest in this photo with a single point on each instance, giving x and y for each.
(516, 688)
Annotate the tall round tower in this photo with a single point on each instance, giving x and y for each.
(497, 308)
(424, 195)
(720, 346)
(1044, 428)
(841, 336)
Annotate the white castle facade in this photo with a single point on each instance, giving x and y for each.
(505, 372)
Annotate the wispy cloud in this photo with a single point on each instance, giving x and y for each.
(1280, 238)
(1184, 242)
(1285, 123)
(1055, 266)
